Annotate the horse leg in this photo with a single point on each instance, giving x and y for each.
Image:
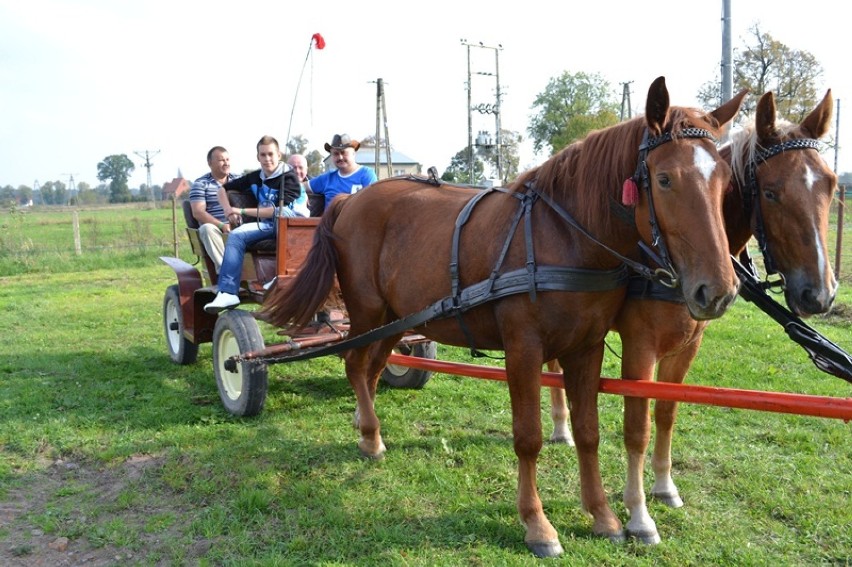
(582, 380)
(672, 369)
(637, 363)
(523, 374)
(559, 411)
(363, 366)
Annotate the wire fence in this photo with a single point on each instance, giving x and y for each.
(32, 236)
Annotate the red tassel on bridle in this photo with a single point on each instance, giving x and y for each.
(320, 41)
(629, 193)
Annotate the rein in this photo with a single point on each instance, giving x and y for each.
(751, 199)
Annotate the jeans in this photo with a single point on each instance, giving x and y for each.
(235, 249)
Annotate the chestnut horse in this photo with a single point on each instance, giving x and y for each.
(403, 246)
(782, 191)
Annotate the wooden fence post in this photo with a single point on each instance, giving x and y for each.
(174, 225)
(839, 244)
(75, 221)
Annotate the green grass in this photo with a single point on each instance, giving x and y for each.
(107, 443)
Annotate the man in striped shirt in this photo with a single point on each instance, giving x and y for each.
(206, 208)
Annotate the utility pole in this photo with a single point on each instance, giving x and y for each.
(625, 100)
(382, 117)
(727, 70)
(485, 109)
(148, 165)
(72, 187)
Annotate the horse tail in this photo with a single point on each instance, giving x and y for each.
(295, 302)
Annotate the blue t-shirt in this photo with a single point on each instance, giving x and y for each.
(332, 183)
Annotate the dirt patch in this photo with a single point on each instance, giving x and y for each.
(839, 314)
(47, 521)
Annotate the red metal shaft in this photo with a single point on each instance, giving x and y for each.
(779, 402)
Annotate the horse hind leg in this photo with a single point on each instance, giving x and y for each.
(363, 367)
(559, 411)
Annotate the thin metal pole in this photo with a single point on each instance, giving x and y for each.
(387, 134)
(469, 121)
(378, 113)
(498, 124)
(838, 248)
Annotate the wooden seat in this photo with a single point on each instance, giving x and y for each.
(208, 268)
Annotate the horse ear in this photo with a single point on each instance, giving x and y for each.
(727, 111)
(818, 121)
(764, 118)
(657, 106)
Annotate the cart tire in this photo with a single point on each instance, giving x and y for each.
(413, 378)
(181, 349)
(243, 392)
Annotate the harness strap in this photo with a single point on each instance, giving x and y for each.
(547, 278)
(461, 220)
(641, 269)
(826, 355)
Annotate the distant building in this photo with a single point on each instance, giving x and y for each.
(401, 164)
(177, 188)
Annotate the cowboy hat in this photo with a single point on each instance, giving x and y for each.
(341, 142)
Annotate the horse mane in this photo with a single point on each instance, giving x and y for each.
(589, 173)
(745, 145)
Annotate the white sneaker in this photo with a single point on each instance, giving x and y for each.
(223, 301)
(270, 283)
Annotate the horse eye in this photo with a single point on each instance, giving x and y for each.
(663, 181)
(771, 195)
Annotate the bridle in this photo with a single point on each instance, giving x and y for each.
(665, 275)
(751, 201)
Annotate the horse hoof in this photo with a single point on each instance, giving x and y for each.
(617, 537)
(373, 456)
(672, 500)
(544, 549)
(648, 538)
(372, 453)
(563, 440)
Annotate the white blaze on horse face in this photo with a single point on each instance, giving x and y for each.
(810, 178)
(704, 162)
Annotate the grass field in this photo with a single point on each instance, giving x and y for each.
(133, 461)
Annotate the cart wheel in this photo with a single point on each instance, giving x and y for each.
(243, 390)
(403, 377)
(181, 349)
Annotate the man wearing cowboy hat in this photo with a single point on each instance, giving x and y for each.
(349, 177)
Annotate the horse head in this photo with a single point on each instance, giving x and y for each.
(680, 210)
(787, 189)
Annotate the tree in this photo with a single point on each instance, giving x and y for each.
(117, 169)
(25, 194)
(459, 169)
(570, 106)
(85, 194)
(296, 145)
(7, 196)
(315, 164)
(769, 65)
(53, 193)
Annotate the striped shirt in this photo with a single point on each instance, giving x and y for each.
(206, 189)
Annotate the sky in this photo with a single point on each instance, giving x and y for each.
(81, 80)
